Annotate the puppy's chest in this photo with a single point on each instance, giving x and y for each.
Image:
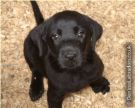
(70, 81)
(67, 81)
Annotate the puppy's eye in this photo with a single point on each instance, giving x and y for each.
(80, 34)
(55, 36)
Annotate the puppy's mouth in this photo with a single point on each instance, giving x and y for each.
(70, 64)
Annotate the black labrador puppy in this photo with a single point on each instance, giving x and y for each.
(62, 50)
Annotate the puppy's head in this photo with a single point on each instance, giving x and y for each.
(70, 37)
(67, 39)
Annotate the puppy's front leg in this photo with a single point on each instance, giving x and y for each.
(55, 97)
(37, 86)
(100, 85)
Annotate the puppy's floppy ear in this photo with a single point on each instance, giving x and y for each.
(36, 37)
(96, 30)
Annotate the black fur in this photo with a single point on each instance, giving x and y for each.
(37, 13)
(62, 50)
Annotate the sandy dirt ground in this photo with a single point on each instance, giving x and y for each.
(118, 21)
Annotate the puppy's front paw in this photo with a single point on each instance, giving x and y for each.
(35, 95)
(102, 86)
(36, 90)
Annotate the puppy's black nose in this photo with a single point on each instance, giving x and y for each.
(70, 55)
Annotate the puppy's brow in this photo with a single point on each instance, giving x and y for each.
(75, 29)
(59, 31)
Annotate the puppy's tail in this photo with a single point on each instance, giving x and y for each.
(37, 13)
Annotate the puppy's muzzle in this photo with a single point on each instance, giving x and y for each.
(70, 57)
